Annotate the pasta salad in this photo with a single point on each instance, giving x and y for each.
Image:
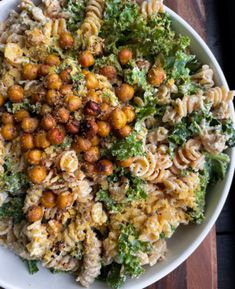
(111, 132)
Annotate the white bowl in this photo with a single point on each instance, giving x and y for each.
(13, 272)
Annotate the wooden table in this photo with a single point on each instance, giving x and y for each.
(200, 270)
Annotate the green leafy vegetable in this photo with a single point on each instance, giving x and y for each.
(76, 11)
(128, 248)
(32, 266)
(129, 147)
(115, 278)
(197, 213)
(229, 131)
(110, 204)
(13, 209)
(217, 166)
(136, 76)
(13, 182)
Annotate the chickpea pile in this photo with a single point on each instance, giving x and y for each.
(56, 119)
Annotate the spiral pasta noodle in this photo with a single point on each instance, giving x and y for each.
(151, 7)
(188, 156)
(217, 95)
(204, 77)
(91, 261)
(182, 107)
(38, 242)
(93, 19)
(151, 167)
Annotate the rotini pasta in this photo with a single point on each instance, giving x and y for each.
(218, 95)
(151, 7)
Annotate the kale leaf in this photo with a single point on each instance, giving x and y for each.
(129, 147)
(104, 196)
(217, 166)
(128, 248)
(32, 266)
(76, 11)
(13, 209)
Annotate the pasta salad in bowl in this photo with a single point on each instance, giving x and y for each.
(112, 131)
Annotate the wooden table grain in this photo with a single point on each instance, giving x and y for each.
(200, 269)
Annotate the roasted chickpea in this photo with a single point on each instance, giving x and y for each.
(8, 131)
(21, 114)
(26, 141)
(66, 40)
(92, 95)
(34, 157)
(125, 163)
(109, 71)
(156, 76)
(95, 140)
(45, 109)
(118, 118)
(65, 75)
(104, 167)
(105, 111)
(125, 55)
(54, 81)
(52, 97)
(40, 140)
(35, 213)
(104, 128)
(64, 200)
(36, 97)
(52, 60)
(92, 108)
(73, 127)
(16, 93)
(92, 155)
(66, 89)
(56, 136)
(7, 118)
(29, 124)
(88, 128)
(48, 199)
(30, 71)
(48, 122)
(125, 131)
(62, 115)
(86, 59)
(44, 70)
(91, 81)
(89, 169)
(2, 100)
(129, 112)
(73, 102)
(81, 144)
(37, 174)
(125, 92)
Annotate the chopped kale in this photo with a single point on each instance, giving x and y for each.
(128, 248)
(110, 204)
(115, 279)
(76, 11)
(66, 143)
(136, 76)
(197, 214)
(13, 209)
(129, 147)
(111, 59)
(32, 266)
(13, 182)
(32, 108)
(229, 131)
(217, 166)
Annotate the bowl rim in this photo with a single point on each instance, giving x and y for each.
(195, 244)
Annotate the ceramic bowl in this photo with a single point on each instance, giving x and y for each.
(13, 272)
